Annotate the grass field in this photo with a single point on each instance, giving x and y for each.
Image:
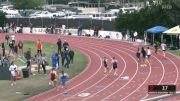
(175, 52)
(37, 83)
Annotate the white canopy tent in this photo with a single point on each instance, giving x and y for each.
(173, 31)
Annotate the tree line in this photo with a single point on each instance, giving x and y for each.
(164, 13)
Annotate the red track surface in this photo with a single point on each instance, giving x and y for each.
(93, 81)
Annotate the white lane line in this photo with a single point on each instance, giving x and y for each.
(164, 69)
(139, 86)
(161, 76)
(161, 97)
(84, 80)
(94, 83)
(127, 82)
(115, 79)
(89, 59)
(177, 76)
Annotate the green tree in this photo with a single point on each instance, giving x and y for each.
(164, 14)
(27, 4)
(2, 18)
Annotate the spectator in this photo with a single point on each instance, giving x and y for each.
(80, 28)
(1, 61)
(67, 57)
(96, 32)
(21, 28)
(11, 48)
(53, 58)
(29, 66)
(13, 70)
(39, 47)
(44, 62)
(5, 61)
(13, 39)
(135, 35)
(71, 55)
(62, 57)
(65, 44)
(16, 49)
(7, 39)
(57, 61)
(27, 55)
(20, 47)
(123, 35)
(59, 44)
(39, 61)
(3, 48)
(31, 27)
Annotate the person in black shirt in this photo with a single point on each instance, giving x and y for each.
(59, 44)
(138, 55)
(143, 56)
(62, 57)
(29, 66)
(67, 57)
(105, 62)
(16, 49)
(11, 48)
(156, 47)
(115, 66)
(71, 55)
(3, 48)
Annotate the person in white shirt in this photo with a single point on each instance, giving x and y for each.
(13, 70)
(149, 54)
(163, 47)
(13, 39)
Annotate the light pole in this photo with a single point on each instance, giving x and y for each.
(99, 5)
(52, 2)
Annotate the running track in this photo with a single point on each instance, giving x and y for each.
(101, 88)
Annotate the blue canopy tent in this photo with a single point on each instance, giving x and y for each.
(156, 30)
